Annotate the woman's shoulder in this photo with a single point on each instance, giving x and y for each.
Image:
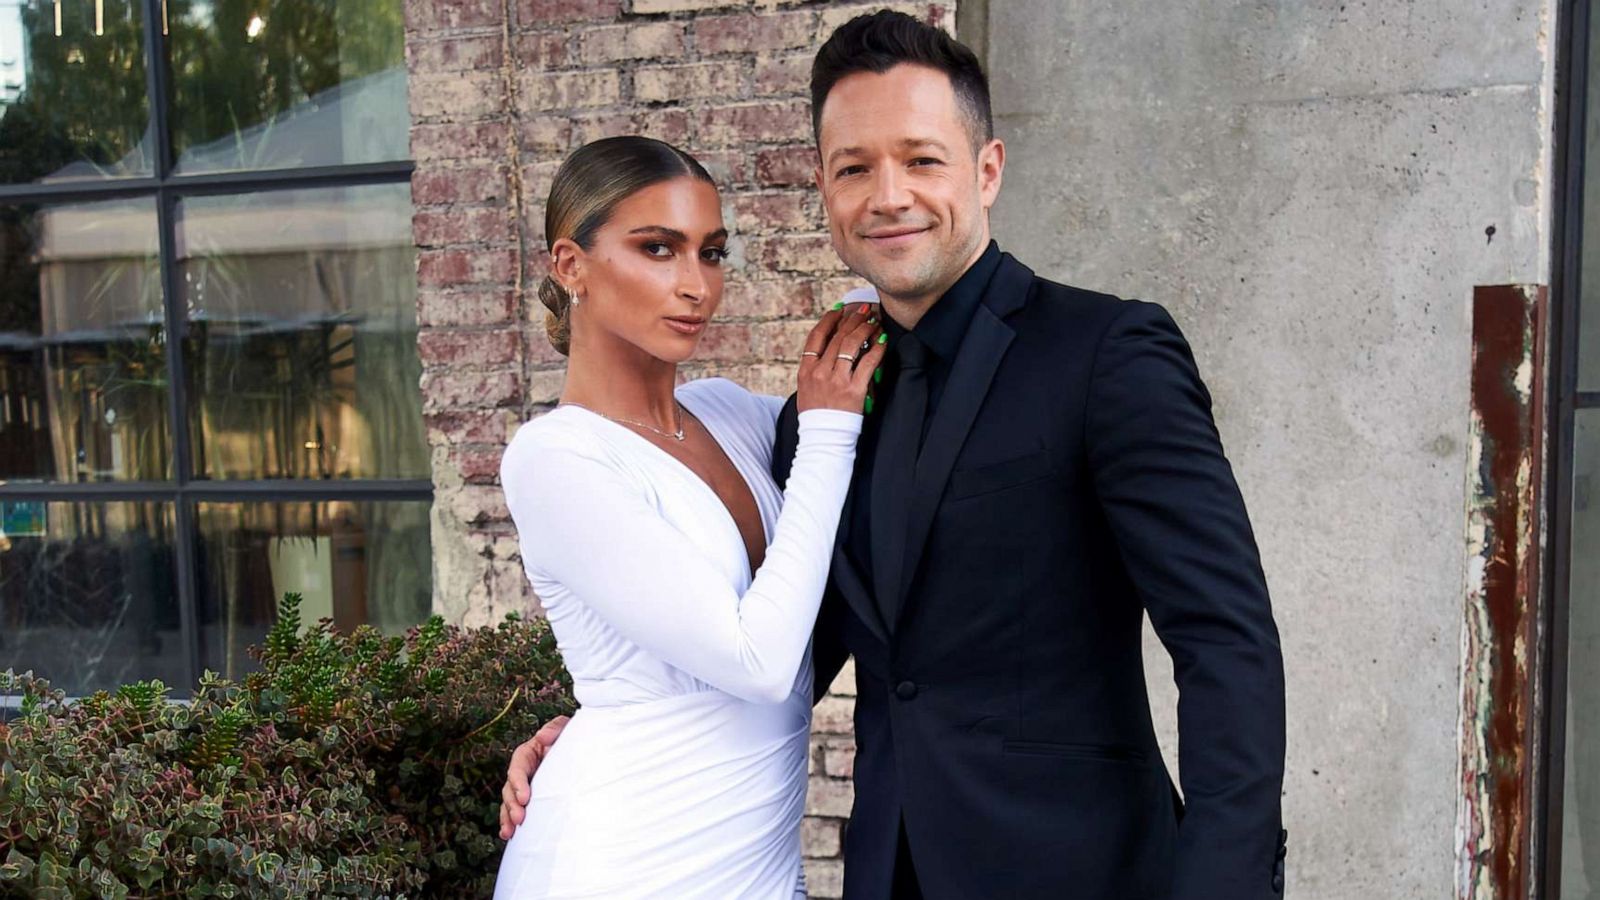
(542, 444)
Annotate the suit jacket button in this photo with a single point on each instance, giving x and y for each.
(1277, 884)
(905, 690)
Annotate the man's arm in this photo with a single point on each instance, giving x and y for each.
(1179, 521)
(828, 653)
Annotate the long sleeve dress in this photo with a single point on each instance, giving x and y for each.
(683, 773)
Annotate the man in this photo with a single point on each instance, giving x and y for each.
(1040, 471)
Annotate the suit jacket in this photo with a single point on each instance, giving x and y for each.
(1072, 481)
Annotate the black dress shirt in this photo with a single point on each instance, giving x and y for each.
(940, 330)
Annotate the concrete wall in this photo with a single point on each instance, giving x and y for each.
(1310, 188)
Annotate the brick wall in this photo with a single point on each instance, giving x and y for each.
(501, 92)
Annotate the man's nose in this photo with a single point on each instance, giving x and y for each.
(889, 193)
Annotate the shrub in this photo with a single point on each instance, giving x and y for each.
(350, 765)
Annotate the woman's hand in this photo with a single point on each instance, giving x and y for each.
(840, 355)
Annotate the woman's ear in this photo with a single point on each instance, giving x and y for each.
(567, 264)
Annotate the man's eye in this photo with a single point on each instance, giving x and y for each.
(927, 161)
(847, 171)
(658, 250)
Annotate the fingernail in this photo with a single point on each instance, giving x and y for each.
(839, 305)
(877, 376)
(883, 338)
(868, 405)
(872, 320)
(865, 309)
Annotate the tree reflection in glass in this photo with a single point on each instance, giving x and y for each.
(83, 384)
(301, 346)
(74, 105)
(265, 85)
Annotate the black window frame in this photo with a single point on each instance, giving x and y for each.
(185, 491)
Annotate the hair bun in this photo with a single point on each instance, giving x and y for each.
(558, 321)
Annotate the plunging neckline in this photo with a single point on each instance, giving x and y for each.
(705, 486)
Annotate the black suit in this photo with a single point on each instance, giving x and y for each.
(1070, 481)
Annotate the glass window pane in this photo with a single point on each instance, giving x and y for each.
(88, 597)
(270, 84)
(302, 344)
(83, 378)
(73, 103)
(1580, 831)
(353, 562)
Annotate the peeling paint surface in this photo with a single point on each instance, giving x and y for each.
(1499, 631)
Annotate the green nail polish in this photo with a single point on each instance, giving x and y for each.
(869, 403)
(883, 338)
(839, 305)
(877, 375)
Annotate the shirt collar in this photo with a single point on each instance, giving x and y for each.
(945, 323)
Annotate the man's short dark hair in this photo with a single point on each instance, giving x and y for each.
(877, 42)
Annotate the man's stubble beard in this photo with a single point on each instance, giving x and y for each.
(931, 277)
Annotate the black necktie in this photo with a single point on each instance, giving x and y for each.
(894, 473)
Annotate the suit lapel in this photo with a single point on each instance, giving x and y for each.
(980, 355)
(847, 578)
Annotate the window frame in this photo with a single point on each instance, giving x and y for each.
(185, 491)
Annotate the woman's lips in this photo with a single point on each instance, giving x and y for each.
(687, 325)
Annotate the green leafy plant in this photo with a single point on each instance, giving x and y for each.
(350, 765)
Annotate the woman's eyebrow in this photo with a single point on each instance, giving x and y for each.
(673, 234)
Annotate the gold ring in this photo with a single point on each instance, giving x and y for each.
(809, 353)
(847, 356)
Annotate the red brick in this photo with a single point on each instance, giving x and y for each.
(551, 12)
(539, 92)
(790, 74)
(459, 140)
(437, 228)
(724, 342)
(780, 340)
(477, 504)
(840, 762)
(439, 15)
(804, 253)
(495, 306)
(786, 166)
(456, 54)
(542, 49)
(767, 299)
(670, 125)
(477, 465)
(448, 267)
(472, 426)
(767, 213)
(455, 96)
(467, 348)
(546, 134)
(764, 123)
(635, 40)
(754, 31)
(464, 184)
(660, 84)
(445, 390)
(727, 167)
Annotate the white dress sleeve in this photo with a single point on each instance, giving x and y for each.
(594, 530)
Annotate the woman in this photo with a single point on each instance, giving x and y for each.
(643, 513)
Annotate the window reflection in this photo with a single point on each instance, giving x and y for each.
(264, 85)
(352, 562)
(73, 101)
(302, 336)
(83, 386)
(1580, 833)
(87, 594)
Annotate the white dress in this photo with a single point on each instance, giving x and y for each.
(683, 773)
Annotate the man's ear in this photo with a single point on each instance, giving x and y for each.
(991, 170)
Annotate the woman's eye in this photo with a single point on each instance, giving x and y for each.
(658, 250)
(714, 255)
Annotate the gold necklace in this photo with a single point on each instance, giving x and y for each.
(675, 435)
